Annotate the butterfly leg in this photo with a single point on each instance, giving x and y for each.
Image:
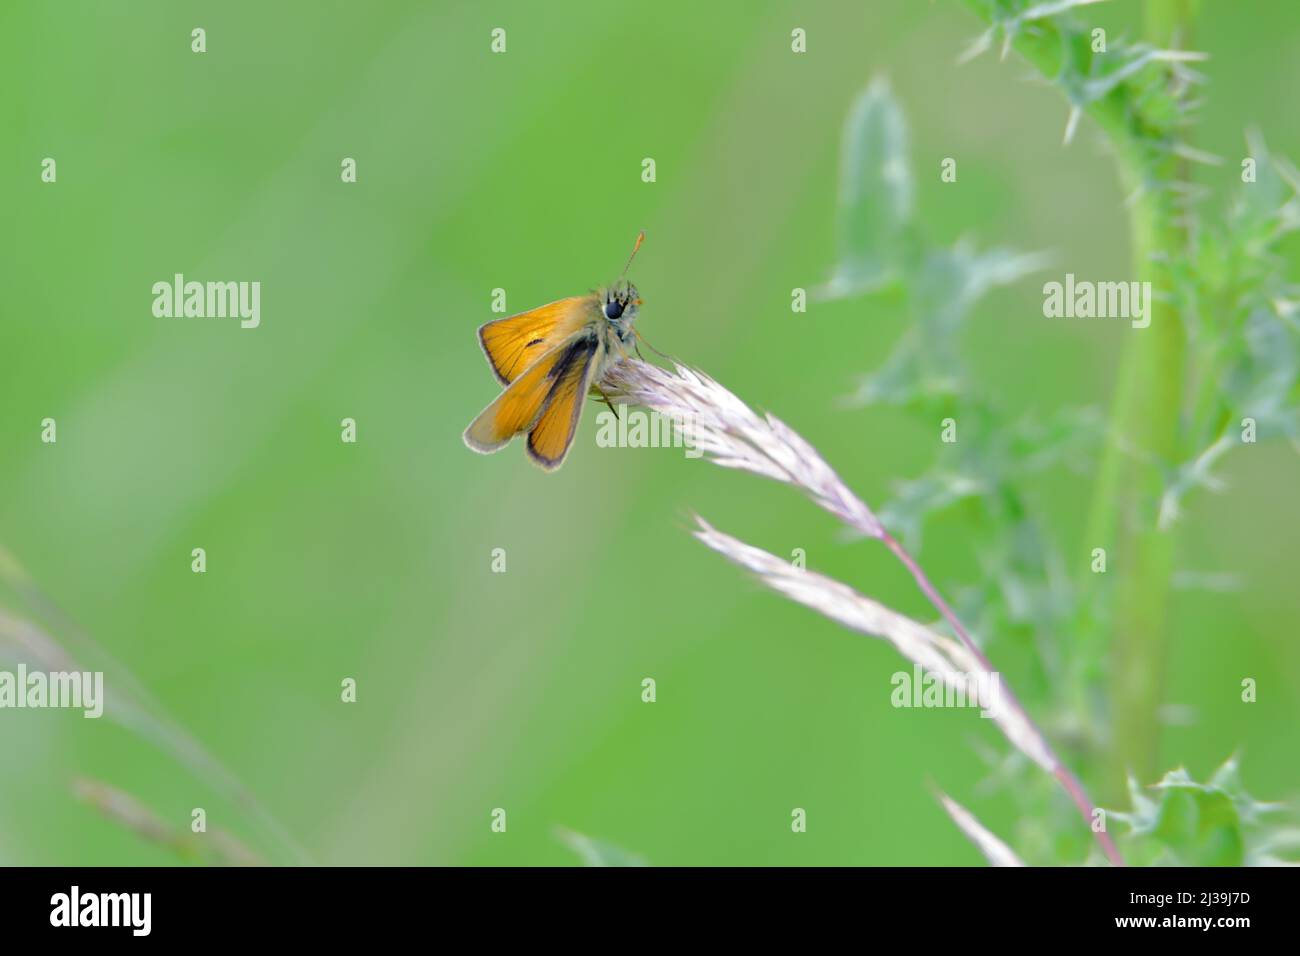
(641, 338)
(605, 398)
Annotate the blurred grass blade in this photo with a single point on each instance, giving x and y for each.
(994, 850)
(126, 701)
(122, 808)
(595, 852)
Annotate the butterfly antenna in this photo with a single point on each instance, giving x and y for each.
(640, 238)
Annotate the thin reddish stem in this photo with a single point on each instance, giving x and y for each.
(1067, 779)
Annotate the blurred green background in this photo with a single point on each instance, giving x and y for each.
(325, 560)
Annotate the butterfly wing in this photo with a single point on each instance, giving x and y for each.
(556, 380)
(513, 344)
(552, 434)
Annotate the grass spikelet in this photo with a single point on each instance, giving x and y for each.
(733, 435)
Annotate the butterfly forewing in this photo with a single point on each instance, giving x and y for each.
(513, 344)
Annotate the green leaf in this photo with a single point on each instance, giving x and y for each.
(925, 370)
(1201, 827)
(875, 196)
(911, 377)
(914, 500)
(1261, 383)
(1187, 823)
(952, 280)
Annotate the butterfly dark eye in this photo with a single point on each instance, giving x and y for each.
(613, 309)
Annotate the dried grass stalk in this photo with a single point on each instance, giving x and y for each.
(727, 430)
(733, 435)
(216, 847)
(943, 657)
(994, 850)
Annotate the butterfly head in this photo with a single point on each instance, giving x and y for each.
(619, 304)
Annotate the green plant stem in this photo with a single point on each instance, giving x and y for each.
(1145, 422)
(1147, 404)
(1144, 432)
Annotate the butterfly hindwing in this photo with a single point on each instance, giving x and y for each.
(513, 344)
(552, 434)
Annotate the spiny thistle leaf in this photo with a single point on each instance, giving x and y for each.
(879, 246)
(1141, 90)
(1183, 822)
(916, 500)
(910, 378)
(875, 198)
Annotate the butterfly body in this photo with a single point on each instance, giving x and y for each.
(548, 359)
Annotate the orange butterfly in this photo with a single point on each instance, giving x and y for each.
(549, 358)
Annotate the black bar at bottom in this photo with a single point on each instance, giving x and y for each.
(366, 905)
